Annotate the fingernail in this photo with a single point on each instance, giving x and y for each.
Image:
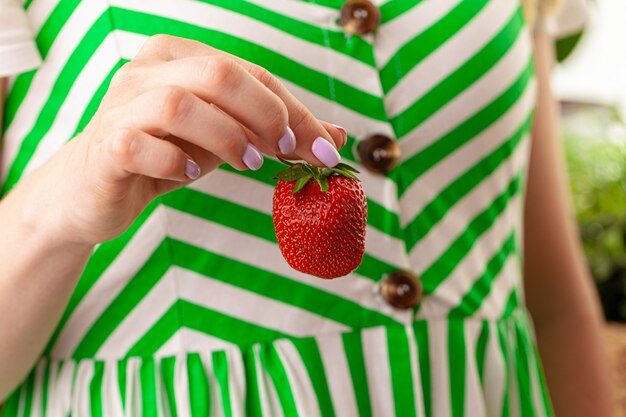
(252, 157)
(287, 144)
(325, 152)
(344, 134)
(192, 170)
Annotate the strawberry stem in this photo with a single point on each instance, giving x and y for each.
(302, 173)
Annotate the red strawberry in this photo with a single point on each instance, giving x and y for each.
(319, 217)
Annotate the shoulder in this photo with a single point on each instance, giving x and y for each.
(18, 52)
(561, 17)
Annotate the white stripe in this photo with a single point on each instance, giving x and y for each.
(474, 403)
(270, 406)
(111, 400)
(337, 374)
(395, 34)
(488, 88)
(236, 382)
(81, 398)
(190, 340)
(181, 386)
(141, 319)
(376, 357)
(228, 242)
(511, 346)
(319, 58)
(457, 219)
(161, 399)
(415, 372)
(133, 396)
(494, 304)
(83, 89)
(38, 13)
(214, 295)
(314, 14)
(37, 395)
(494, 374)
(216, 404)
(60, 398)
(440, 380)
(430, 185)
(64, 45)
(52, 391)
(299, 380)
(450, 292)
(451, 55)
(258, 196)
(535, 381)
(109, 285)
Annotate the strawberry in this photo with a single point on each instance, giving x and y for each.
(319, 218)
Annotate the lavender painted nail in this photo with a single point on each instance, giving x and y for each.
(287, 144)
(252, 157)
(325, 152)
(192, 169)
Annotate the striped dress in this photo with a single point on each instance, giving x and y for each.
(193, 311)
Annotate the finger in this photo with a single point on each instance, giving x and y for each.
(221, 80)
(308, 130)
(338, 133)
(135, 152)
(176, 111)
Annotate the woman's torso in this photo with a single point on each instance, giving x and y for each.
(193, 308)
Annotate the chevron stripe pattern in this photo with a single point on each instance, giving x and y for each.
(193, 312)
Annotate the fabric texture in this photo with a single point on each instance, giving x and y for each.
(18, 52)
(193, 311)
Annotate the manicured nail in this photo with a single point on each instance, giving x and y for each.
(344, 134)
(192, 170)
(325, 152)
(287, 144)
(252, 157)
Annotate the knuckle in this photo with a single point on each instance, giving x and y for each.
(158, 41)
(172, 164)
(122, 145)
(123, 75)
(264, 76)
(219, 71)
(176, 104)
(277, 119)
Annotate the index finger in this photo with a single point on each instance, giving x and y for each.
(314, 143)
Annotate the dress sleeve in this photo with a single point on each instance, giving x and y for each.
(18, 51)
(570, 17)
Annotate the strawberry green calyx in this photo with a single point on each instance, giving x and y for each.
(302, 173)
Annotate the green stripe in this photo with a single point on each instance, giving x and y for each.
(457, 357)
(276, 287)
(523, 375)
(168, 373)
(427, 158)
(401, 373)
(439, 270)
(508, 361)
(74, 66)
(512, 303)
(15, 97)
(147, 378)
(481, 350)
(473, 299)
(356, 48)
(199, 393)
(95, 389)
(28, 399)
(279, 65)
(98, 263)
(311, 358)
(417, 49)
(121, 380)
(445, 200)
(420, 328)
(136, 289)
(185, 314)
(271, 363)
(393, 9)
(253, 396)
(12, 403)
(44, 387)
(353, 350)
(461, 79)
(220, 368)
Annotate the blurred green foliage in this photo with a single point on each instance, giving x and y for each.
(595, 147)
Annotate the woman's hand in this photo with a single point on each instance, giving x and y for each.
(174, 113)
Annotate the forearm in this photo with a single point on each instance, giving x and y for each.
(560, 293)
(38, 271)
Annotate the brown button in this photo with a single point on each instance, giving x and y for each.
(401, 289)
(378, 153)
(359, 17)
